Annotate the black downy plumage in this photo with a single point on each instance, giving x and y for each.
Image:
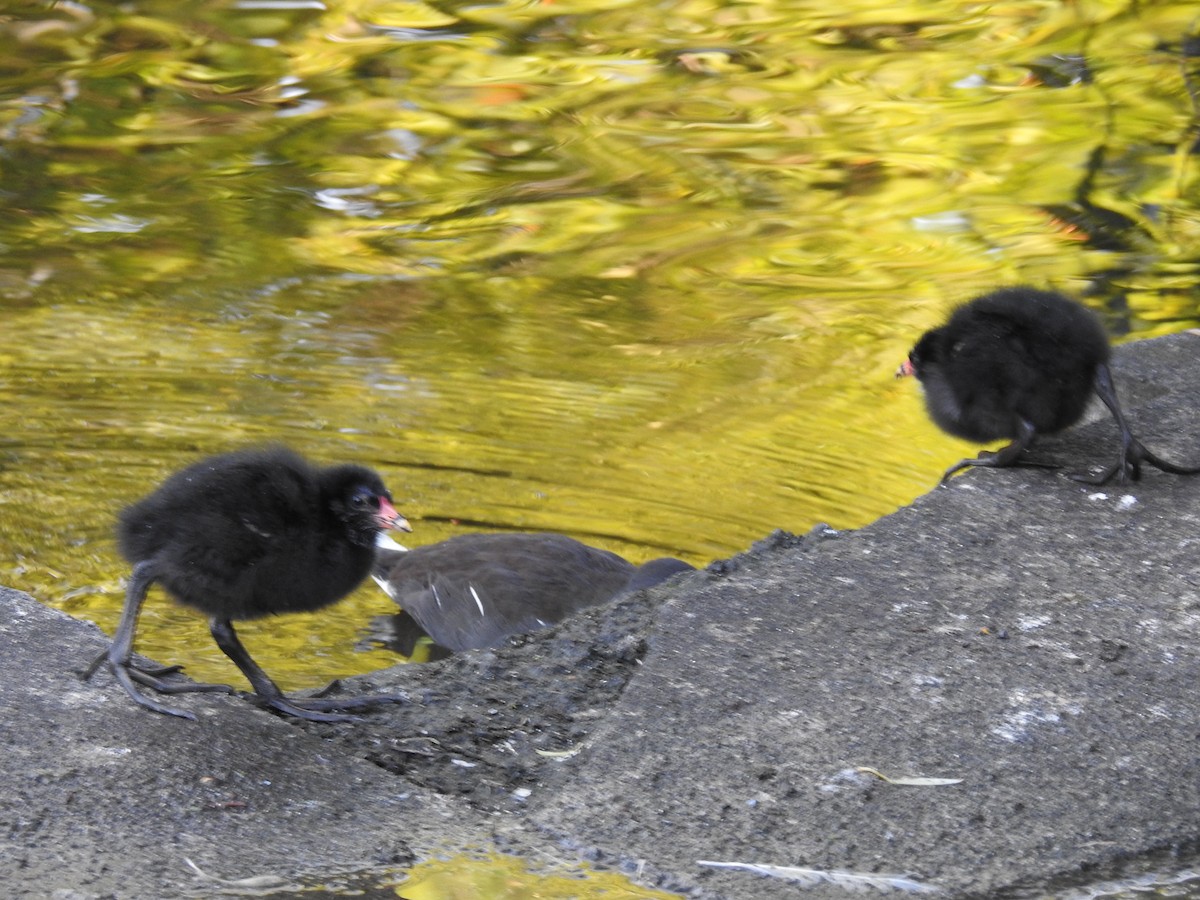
(241, 536)
(1016, 363)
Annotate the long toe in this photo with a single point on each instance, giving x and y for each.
(126, 676)
(157, 671)
(954, 469)
(1145, 455)
(1129, 466)
(1104, 476)
(150, 677)
(288, 708)
(177, 687)
(344, 703)
(989, 460)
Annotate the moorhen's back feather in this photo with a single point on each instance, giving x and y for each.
(245, 535)
(1016, 363)
(475, 590)
(655, 572)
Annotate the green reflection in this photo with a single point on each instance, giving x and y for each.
(505, 878)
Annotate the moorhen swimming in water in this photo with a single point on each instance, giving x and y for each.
(241, 536)
(474, 590)
(1016, 363)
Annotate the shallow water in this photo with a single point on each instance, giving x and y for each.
(640, 273)
(480, 875)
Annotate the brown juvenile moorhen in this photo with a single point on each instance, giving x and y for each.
(1016, 363)
(475, 590)
(241, 536)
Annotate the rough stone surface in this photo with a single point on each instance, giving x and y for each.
(1033, 637)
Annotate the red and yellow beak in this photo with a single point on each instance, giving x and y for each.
(389, 518)
(906, 369)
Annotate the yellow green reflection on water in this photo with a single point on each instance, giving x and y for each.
(640, 273)
(505, 878)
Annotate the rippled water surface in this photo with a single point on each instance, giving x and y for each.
(636, 272)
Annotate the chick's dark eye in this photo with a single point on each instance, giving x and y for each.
(362, 497)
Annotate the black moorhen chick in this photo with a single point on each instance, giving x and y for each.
(1016, 363)
(475, 590)
(241, 536)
